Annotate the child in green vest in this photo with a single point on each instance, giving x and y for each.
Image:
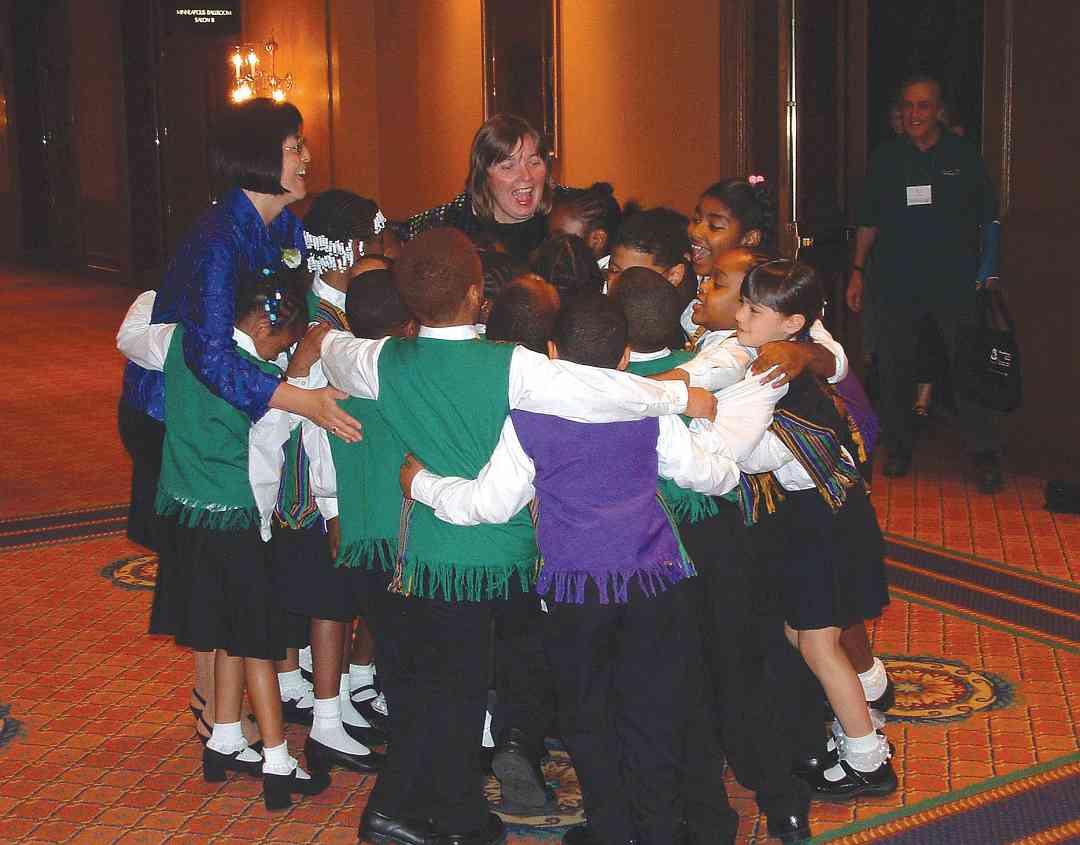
(446, 395)
(341, 229)
(218, 485)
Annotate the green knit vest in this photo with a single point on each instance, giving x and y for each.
(369, 494)
(685, 505)
(447, 400)
(204, 478)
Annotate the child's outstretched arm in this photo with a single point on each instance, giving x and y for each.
(503, 487)
(685, 458)
(744, 412)
(141, 341)
(592, 394)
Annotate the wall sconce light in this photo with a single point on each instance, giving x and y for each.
(249, 79)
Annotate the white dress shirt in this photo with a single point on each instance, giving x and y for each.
(505, 484)
(147, 344)
(538, 384)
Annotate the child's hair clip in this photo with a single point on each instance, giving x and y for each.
(755, 179)
(379, 223)
(272, 305)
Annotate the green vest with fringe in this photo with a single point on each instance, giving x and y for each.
(369, 494)
(204, 478)
(684, 505)
(447, 400)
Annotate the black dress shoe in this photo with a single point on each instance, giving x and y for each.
(988, 472)
(881, 781)
(790, 829)
(899, 464)
(365, 736)
(278, 790)
(215, 764)
(518, 772)
(322, 758)
(811, 765)
(380, 829)
(886, 700)
(292, 712)
(493, 832)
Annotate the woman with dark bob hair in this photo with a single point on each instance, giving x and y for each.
(508, 191)
(258, 153)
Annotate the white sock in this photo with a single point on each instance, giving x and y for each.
(293, 686)
(228, 738)
(327, 728)
(874, 680)
(362, 680)
(305, 659)
(486, 739)
(349, 714)
(276, 761)
(866, 753)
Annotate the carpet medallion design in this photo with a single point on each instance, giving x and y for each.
(133, 573)
(935, 689)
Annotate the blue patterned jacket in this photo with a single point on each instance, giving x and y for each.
(199, 291)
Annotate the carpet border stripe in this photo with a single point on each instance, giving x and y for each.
(950, 804)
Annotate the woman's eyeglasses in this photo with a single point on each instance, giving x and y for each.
(297, 148)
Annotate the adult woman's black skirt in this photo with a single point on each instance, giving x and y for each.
(216, 590)
(142, 437)
(828, 569)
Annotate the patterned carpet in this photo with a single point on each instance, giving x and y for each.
(981, 636)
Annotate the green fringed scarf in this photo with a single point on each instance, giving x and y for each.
(447, 401)
(813, 428)
(296, 506)
(369, 495)
(204, 480)
(684, 505)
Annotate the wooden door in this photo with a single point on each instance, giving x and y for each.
(817, 114)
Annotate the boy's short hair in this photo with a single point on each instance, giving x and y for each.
(659, 232)
(591, 330)
(652, 308)
(246, 141)
(434, 273)
(524, 314)
(373, 305)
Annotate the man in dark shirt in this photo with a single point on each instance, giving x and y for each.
(926, 197)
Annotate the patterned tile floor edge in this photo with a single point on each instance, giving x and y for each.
(954, 803)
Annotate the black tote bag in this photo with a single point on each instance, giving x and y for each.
(988, 358)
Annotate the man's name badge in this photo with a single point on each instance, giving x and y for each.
(919, 195)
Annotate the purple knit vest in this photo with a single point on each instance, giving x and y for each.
(599, 516)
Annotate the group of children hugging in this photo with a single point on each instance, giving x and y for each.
(626, 456)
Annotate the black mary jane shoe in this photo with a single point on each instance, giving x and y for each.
(881, 781)
(278, 790)
(292, 712)
(791, 829)
(365, 736)
(215, 765)
(520, 777)
(322, 758)
(884, 702)
(380, 829)
(492, 833)
(812, 765)
(378, 721)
